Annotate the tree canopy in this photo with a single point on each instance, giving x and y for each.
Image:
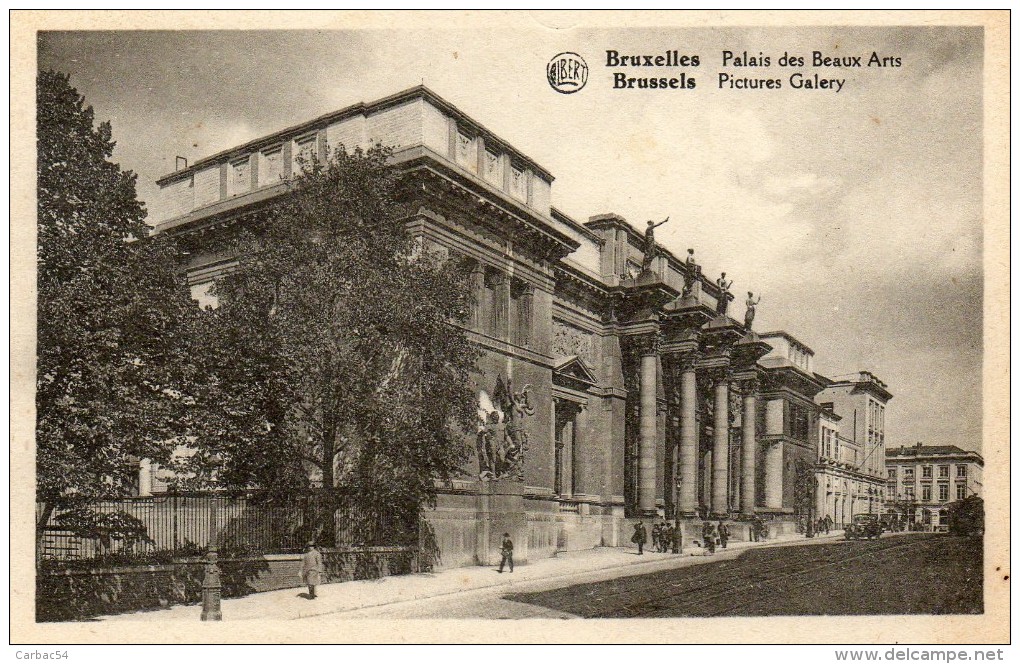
(336, 352)
(114, 316)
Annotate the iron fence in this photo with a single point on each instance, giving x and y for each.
(175, 525)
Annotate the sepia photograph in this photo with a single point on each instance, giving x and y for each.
(452, 318)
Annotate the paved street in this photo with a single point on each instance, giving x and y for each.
(904, 573)
(920, 574)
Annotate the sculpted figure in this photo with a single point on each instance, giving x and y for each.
(501, 440)
(751, 304)
(724, 293)
(650, 247)
(690, 274)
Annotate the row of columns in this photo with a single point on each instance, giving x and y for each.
(687, 498)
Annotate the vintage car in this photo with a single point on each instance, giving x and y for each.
(864, 526)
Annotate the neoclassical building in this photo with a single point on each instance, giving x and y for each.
(646, 395)
(925, 479)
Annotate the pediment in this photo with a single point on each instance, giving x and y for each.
(573, 369)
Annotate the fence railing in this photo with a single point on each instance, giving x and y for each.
(186, 524)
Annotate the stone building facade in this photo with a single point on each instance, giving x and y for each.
(649, 398)
(852, 479)
(924, 479)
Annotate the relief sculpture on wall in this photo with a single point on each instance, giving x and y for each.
(502, 440)
(569, 340)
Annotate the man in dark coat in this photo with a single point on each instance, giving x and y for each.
(506, 549)
(724, 534)
(677, 539)
(311, 569)
(656, 537)
(639, 537)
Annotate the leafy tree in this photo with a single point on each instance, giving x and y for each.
(113, 321)
(337, 354)
(967, 516)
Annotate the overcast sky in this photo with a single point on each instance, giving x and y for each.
(856, 214)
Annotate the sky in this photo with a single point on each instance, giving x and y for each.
(857, 215)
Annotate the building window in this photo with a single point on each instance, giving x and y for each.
(908, 492)
(908, 473)
(926, 472)
(521, 297)
(271, 166)
(799, 422)
(496, 283)
(943, 472)
(961, 471)
(943, 492)
(892, 473)
(926, 493)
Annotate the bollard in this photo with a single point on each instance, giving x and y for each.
(212, 589)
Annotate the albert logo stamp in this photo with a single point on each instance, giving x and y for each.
(567, 72)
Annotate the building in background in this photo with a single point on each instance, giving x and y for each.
(924, 479)
(857, 471)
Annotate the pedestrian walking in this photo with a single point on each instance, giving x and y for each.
(664, 537)
(506, 549)
(639, 537)
(708, 535)
(828, 524)
(656, 537)
(311, 569)
(724, 533)
(677, 540)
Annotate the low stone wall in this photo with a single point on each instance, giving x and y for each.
(63, 595)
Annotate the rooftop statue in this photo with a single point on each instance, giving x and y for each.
(751, 304)
(650, 247)
(691, 273)
(724, 293)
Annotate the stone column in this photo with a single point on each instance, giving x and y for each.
(581, 468)
(721, 449)
(478, 290)
(748, 450)
(649, 429)
(774, 474)
(567, 477)
(688, 499)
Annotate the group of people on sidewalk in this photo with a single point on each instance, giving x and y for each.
(666, 537)
(712, 534)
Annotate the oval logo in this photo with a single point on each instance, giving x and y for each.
(567, 72)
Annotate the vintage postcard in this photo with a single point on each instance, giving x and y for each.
(510, 327)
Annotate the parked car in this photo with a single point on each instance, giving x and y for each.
(864, 526)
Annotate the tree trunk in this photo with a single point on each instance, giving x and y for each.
(327, 500)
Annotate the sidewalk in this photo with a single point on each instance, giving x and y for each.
(566, 568)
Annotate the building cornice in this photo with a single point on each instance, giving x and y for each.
(361, 108)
